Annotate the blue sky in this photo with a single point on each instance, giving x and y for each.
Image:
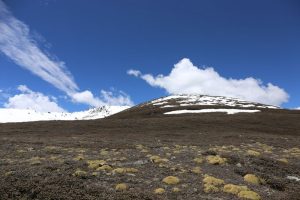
(95, 43)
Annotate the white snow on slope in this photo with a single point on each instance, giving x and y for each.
(27, 115)
(293, 178)
(228, 111)
(204, 100)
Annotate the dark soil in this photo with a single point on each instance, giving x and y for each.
(38, 160)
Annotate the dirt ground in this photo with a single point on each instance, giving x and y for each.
(141, 146)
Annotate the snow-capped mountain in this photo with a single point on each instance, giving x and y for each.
(183, 100)
(26, 115)
(173, 104)
(194, 104)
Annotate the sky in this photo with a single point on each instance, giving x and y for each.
(74, 54)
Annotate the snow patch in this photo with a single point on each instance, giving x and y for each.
(228, 111)
(293, 178)
(168, 106)
(204, 100)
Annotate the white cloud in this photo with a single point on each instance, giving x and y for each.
(121, 98)
(187, 78)
(28, 99)
(17, 43)
(86, 97)
(107, 98)
(133, 72)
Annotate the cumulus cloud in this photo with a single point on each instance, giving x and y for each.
(106, 98)
(187, 78)
(86, 97)
(17, 43)
(28, 99)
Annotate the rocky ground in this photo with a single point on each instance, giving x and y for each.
(207, 156)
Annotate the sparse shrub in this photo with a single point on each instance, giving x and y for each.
(211, 184)
(36, 161)
(249, 195)
(153, 158)
(144, 151)
(94, 164)
(125, 170)
(104, 168)
(234, 189)
(196, 170)
(9, 173)
(177, 151)
(212, 180)
(131, 170)
(95, 174)
(171, 180)
(283, 160)
(210, 188)
(198, 160)
(157, 159)
(251, 178)
(216, 160)
(176, 189)
(139, 146)
(79, 157)
(159, 191)
(163, 165)
(51, 148)
(253, 153)
(80, 173)
(121, 187)
(82, 150)
(103, 153)
(119, 171)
